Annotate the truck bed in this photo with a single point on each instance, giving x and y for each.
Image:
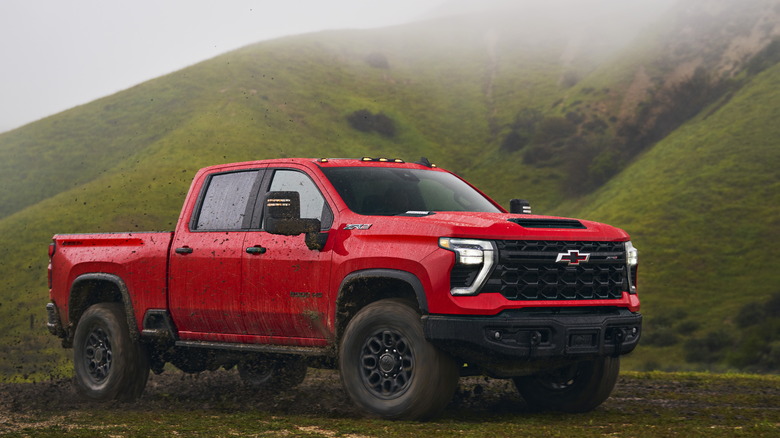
(132, 261)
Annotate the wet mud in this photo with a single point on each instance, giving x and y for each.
(321, 394)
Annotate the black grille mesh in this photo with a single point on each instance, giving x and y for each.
(527, 270)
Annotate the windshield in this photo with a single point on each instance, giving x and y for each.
(388, 191)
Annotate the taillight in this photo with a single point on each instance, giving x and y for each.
(52, 250)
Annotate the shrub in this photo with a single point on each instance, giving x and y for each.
(384, 125)
(514, 141)
(522, 130)
(575, 117)
(750, 314)
(759, 348)
(377, 60)
(554, 130)
(596, 125)
(366, 121)
(710, 348)
(661, 337)
(362, 120)
(570, 79)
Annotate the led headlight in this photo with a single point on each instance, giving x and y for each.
(478, 254)
(632, 254)
(632, 261)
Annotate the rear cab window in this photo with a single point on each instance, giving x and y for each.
(225, 201)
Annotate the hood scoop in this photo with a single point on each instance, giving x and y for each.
(549, 223)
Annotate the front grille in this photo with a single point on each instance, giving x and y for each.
(527, 270)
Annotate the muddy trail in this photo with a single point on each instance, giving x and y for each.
(321, 394)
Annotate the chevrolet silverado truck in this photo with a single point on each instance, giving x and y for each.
(402, 276)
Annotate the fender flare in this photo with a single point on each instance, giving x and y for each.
(124, 292)
(404, 276)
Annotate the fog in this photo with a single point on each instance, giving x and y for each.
(60, 54)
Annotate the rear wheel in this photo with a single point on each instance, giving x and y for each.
(108, 364)
(389, 369)
(579, 387)
(275, 374)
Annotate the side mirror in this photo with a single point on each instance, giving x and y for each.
(282, 213)
(519, 206)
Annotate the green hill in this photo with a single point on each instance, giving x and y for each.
(703, 206)
(670, 138)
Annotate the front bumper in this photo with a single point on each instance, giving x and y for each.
(529, 335)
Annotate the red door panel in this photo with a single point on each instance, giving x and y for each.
(285, 288)
(206, 275)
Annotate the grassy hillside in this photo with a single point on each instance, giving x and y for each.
(704, 208)
(518, 111)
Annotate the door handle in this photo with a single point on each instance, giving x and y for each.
(184, 250)
(257, 249)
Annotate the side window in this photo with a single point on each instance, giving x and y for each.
(224, 204)
(313, 205)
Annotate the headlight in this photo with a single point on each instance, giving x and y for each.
(632, 254)
(632, 261)
(471, 253)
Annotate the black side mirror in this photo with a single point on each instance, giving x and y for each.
(282, 213)
(519, 206)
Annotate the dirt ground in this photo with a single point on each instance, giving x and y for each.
(321, 394)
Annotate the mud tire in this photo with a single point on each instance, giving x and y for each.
(389, 369)
(580, 387)
(272, 374)
(108, 363)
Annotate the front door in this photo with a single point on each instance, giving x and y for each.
(285, 293)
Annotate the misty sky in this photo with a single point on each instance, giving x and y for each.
(57, 54)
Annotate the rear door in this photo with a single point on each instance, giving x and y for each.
(206, 260)
(285, 283)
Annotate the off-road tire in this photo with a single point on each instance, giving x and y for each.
(389, 369)
(580, 387)
(272, 374)
(108, 363)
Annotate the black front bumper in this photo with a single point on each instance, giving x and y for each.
(547, 335)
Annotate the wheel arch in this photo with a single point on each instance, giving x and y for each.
(93, 288)
(364, 287)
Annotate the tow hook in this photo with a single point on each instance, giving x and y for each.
(535, 340)
(618, 336)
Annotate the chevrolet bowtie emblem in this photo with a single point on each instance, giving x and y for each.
(572, 258)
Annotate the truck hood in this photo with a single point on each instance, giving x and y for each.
(497, 226)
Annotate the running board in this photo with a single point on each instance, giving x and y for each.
(257, 348)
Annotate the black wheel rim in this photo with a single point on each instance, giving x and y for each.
(98, 355)
(387, 364)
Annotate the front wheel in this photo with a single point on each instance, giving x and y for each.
(579, 387)
(108, 364)
(389, 369)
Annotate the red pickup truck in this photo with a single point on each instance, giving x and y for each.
(401, 275)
